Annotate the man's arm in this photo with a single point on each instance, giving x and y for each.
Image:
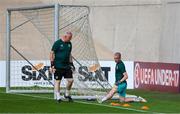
(71, 63)
(52, 56)
(52, 53)
(125, 77)
(70, 59)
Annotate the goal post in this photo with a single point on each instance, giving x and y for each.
(13, 24)
(8, 50)
(31, 32)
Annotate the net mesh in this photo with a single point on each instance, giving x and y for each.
(32, 36)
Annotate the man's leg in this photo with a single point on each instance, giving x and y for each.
(57, 77)
(57, 89)
(109, 95)
(69, 86)
(125, 99)
(122, 93)
(68, 76)
(129, 99)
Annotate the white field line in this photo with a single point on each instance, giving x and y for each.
(130, 109)
(41, 97)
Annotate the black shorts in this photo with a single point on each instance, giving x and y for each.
(59, 73)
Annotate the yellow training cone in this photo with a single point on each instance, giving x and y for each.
(126, 105)
(115, 104)
(144, 107)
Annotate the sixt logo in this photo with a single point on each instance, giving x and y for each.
(31, 73)
(40, 71)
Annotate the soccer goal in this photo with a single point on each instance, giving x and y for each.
(31, 31)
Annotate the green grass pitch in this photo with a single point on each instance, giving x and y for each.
(157, 102)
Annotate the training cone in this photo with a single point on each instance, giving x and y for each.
(115, 104)
(126, 105)
(144, 107)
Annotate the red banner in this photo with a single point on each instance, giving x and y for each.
(157, 76)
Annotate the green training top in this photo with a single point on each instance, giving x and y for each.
(62, 51)
(120, 69)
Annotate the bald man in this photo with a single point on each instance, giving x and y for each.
(62, 65)
(120, 85)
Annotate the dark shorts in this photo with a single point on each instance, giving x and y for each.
(60, 73)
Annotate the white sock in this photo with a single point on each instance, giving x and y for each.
(104, 99)
(58, 95)
(67, 92)
(136, 99)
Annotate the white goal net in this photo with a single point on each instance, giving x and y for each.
(31, 32)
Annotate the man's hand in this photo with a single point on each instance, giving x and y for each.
(117, 83)
(52, 68)
(72, 67)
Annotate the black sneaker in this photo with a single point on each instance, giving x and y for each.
(68, 97)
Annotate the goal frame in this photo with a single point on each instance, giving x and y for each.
(8, 38)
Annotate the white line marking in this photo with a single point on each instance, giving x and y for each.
(131, 109)
(41, 97)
